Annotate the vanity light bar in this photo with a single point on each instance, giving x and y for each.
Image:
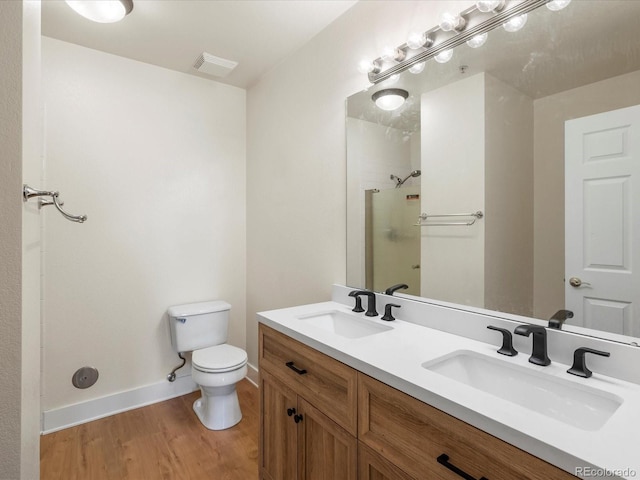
(477, 22)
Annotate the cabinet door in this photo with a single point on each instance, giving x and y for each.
(278, 436)
(372, 466)
(327, 383)
(326, 451)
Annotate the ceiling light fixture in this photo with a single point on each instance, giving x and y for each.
(390, 98)
(102, 11)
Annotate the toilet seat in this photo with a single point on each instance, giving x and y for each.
(219, 359)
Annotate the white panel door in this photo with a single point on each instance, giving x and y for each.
(602, 221)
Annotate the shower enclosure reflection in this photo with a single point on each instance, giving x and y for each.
(392, 242)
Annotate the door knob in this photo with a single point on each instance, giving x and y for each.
(576, 282)
(415, 267)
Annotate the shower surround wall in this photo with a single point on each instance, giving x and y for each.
(156, 160)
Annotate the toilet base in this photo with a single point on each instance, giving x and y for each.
(218, 408)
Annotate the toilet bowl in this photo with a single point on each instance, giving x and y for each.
(216, 367)
(217, 370)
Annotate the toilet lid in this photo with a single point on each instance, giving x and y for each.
(220, 358)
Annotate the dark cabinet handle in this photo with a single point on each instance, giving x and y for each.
(299, 371)
(291, 411)
(297, 418)
(444, 460)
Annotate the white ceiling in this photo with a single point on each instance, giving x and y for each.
(257, 34)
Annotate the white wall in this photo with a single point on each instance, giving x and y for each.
(296, 138)
(508, 254)
(453, 181)
(156, 159)
(20, 143)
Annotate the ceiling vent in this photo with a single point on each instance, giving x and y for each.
(212, 65)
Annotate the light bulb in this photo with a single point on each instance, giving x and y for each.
(490, 5)
(417, 68)
(516, 23)
(390, 98)
(449, 22)
(416, 40)
(392, 54)
(444, 56)
(478, 40)
(366, 66)
(102, 11)
(555, 5)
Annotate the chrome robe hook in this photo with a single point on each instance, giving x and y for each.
(28, 192)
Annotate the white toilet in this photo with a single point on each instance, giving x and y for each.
(215, 366)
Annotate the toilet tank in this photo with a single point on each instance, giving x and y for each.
(198, 325)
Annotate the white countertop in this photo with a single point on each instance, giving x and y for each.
(395, 357)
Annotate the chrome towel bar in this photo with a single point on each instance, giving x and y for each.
(423, 219)
(28, 192)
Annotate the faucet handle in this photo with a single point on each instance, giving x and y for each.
(559, 318)
(579, 366)
(387, 312)
(358, 308)
(507, 341)
(391, 290)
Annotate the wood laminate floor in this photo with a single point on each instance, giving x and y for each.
(162, 441)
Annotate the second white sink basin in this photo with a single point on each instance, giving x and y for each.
(344, 324)
(572, 403)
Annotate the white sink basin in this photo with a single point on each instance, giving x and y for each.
(574, 404)
(344, 324)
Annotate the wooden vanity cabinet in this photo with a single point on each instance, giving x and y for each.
(321, 419)
(307, 410)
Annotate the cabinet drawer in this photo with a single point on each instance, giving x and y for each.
(326, 383)
(412, 435)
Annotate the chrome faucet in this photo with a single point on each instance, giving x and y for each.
(539, 350)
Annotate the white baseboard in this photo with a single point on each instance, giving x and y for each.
(252, 374)
(65, 417)
(79, 413)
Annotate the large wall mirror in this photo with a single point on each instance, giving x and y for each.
(509, 180)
